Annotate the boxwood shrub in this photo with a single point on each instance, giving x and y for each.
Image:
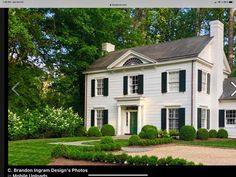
(212, 133)
(107, 130)
(187, 133)
(148, 132)
(222, 133)
(107, 140)
(202, 134)
(94, 131)
(134, 140)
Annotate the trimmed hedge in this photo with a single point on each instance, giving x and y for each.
(145, 127)
(222, 133)
(202, 134)
(212, 133)
(174, 132)
(163, 134)
(81, 131)
(107, 140)
(136, 141)
(107, 130)
(122, 159)
(94, 131)
(108, 147)
(187, 133)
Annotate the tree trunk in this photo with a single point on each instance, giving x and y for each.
(231, 37)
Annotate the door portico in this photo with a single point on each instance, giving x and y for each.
(130, 115)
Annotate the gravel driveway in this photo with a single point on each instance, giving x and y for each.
(197, 154)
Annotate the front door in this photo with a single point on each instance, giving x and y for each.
(133, 123)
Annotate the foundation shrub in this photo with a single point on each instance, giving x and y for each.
(212, 133)
(148, 132)
(107, 130)
(202, 134)
(163, 134)
(94, 131)
(222, 133)
(174, 133)
(187, 133)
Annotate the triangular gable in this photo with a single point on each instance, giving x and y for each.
(226, 64)
(131, 54)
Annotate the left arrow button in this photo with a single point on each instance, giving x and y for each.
(13, 88)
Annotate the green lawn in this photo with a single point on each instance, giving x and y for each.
(35, 151)
(211, 143)
(122, 142)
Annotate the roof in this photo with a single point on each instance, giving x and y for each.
(172, 50)
(229, 89)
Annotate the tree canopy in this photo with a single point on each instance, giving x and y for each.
(50, 48)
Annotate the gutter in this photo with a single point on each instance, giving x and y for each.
(192, 94)
(85, 102)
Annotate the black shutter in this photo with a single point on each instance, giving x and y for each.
(105, 117)
(199, 117)
(199, 80)
(164, 82)
(208, 119)
(182, 81)
(92, 88)
(92, 118)
(208, 83)
(181, 117)
(125, 85)
(163, 118)
(221, 118)
(140, 84)
(105, 88)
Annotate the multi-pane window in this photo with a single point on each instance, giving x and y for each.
(173, 81)
(173, 118)
(99, 118)
(231, 117)
(204, 82)
(203, 118)
(133, 84)
(100, 86)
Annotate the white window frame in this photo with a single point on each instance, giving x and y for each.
(168, 118)
(204, 82)
(203, 118)
(96, 86)
(96, 117)
(230, 125)
(169, 82)
(130, 84)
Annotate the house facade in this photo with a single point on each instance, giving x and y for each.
(168, 85)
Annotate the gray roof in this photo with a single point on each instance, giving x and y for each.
(229, 89)
(181, 48)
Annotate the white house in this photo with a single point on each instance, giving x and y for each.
(171, 84)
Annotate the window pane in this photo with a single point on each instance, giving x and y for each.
(133, 84)
(99, 86)
(231, 117)
(173, 119)
(174, 81)
(99, 118)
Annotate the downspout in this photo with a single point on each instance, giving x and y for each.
(192, 95)
(85, 102)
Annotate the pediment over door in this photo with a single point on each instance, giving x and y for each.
(131, 58)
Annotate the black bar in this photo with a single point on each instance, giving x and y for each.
(3, 90)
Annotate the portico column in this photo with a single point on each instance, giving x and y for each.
(139, 118)
(118, 127)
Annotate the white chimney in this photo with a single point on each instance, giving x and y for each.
(108, 47)
(217, 77)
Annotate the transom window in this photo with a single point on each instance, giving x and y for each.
(133, 84)
(99, 118)
(100, 86)
(133, 61)
(173, 118)
(231, 117)
(203, 118)
(204, 82)
(173, 81)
